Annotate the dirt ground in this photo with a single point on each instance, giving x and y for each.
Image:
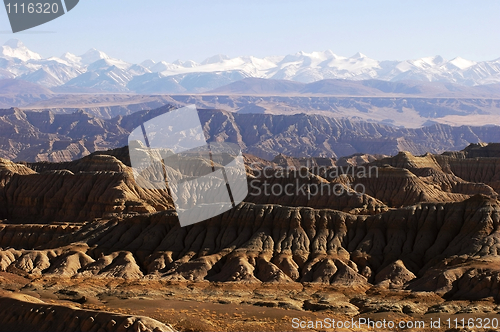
(204, 306)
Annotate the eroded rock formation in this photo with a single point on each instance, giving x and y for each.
(415, 247)
(423, 223)
(94, 187)
(47, 136)
(28, 314)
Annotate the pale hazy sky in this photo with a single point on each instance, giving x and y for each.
(136, 30)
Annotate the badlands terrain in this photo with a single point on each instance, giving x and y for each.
(83, 248)
(394, 211)
(49, 135)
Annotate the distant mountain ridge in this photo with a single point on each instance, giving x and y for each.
(340, 87)
(45, 136)
(270, 97)
(95, 71)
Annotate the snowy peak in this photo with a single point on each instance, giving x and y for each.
(430, 61)
(71, 58)
(14, 43)
(189, 64)
(108, 62)
(439, 60)
(14, 48)
(93, 55)
(185, 64)
(96, 71)
(462, 63)
(163, 66)
(148, 63)
(215, 59)
(359, 56)
(330, 55)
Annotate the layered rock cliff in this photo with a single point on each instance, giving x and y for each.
(419, 226)
(46, 136)
(450, 248)
(96, 186)
(27, 313)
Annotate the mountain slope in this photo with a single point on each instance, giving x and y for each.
(20, 92)
(45, 136)
(373, 88)
(99, 253)
(422, 245)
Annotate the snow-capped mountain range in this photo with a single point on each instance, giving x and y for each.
(96, 71)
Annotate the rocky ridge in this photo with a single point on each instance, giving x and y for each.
(45, 136)
(27, 313)
(424, 238)
(441, 235)
(97, 186)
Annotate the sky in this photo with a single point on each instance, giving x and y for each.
(135, 30)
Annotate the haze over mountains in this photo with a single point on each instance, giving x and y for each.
(95, 71)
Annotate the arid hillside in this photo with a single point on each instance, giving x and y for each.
(427, 223)
(47, 136)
